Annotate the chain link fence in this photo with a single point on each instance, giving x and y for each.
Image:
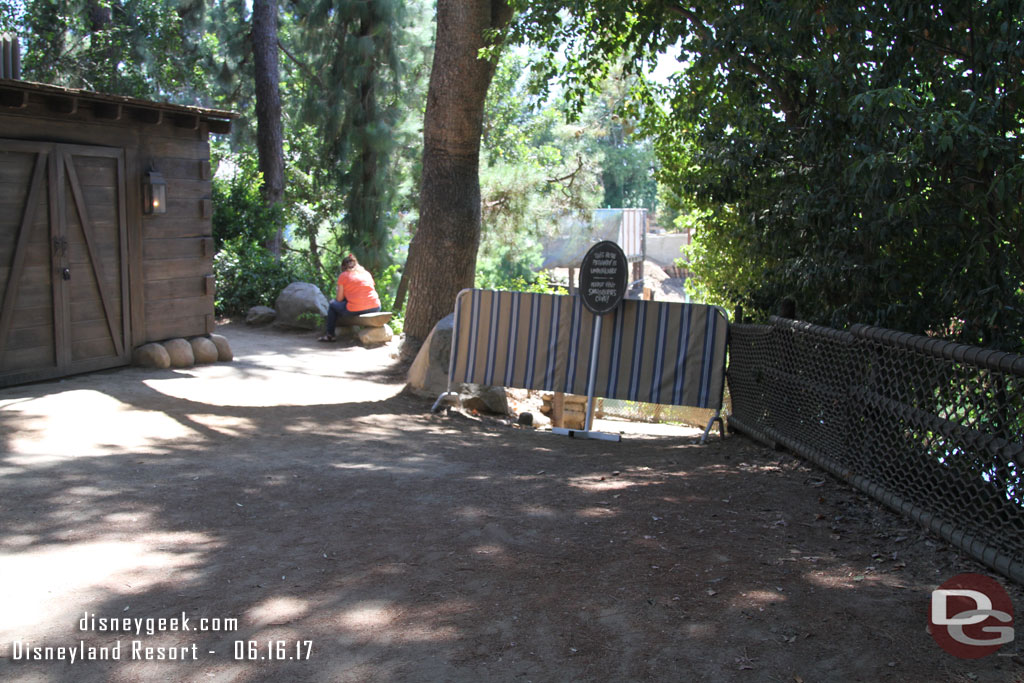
(933, 429)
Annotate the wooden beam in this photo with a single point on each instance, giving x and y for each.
(219, 126)
(28, 217)
(62, 105)
(189, 121)
(17, 99)
(111, 111)
(153, 116)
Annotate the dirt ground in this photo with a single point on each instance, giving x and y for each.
(354, 536)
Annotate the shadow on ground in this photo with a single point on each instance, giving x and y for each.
(356, 537)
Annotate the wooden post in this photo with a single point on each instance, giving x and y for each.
(572, 281)
(558, 409)
(738, 315)
(648, 294)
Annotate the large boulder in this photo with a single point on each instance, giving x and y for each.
(152, 356)
(428, 374)
(260, 315)
(203, 350)
(224, 352)
(180, 352)
(302, 305)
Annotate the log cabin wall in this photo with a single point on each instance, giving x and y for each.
(85, 276)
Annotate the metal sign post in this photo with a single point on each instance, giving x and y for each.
(603, 281)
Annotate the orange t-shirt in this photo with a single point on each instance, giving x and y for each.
(356, 287)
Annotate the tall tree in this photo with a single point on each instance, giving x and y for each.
(442, 256)
(267, 78)
(352, 104)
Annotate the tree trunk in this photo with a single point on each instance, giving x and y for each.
(442, 256)
(269, 138)
(364, 201)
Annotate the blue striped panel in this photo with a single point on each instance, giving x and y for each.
(659, 353)
(474, 323)
(638, 347)
(708, 357)
(549, 371)
(680, 374)
(615, 359)
(513, 332)
(492, 341)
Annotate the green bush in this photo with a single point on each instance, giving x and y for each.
(239, 211)
(248, 275)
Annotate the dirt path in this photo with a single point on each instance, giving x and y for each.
(297, 491)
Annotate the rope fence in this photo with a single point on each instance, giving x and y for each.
(932, 429)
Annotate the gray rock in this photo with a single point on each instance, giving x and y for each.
(151, 355)
(203, 350)
(484, 399)
(302, 305)
(372, 336)
(224, 352)
(260, 315)
(428, 374)
(180, 352)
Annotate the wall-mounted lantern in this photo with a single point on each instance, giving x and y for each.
(154, 193)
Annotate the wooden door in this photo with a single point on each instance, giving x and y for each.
(63, 260)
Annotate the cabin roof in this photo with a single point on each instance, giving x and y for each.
(16, 94)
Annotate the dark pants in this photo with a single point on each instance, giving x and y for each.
(339, 309)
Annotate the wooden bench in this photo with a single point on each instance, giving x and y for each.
(379, 319)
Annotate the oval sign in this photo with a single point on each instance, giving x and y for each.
(603, 277)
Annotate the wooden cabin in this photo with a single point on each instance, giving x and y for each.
(105, 227)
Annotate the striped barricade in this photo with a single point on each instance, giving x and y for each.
(654, 351)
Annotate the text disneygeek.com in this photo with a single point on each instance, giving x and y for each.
(138, 649)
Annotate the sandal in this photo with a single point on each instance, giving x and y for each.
(327, 338)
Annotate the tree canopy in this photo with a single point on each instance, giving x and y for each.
(863, 159)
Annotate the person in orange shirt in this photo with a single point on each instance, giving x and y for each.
(356, 294)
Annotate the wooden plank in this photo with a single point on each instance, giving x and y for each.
(180, 288)
(179, 188)
(88, 330)
(20, 360)
(155, 250)
(33, 317)
(159, 146)
(366, 320)
(97, 266)
(87, 310)
(171, 269)
(179, 308)
(122, 235)
(30, 337)
(58, 234)
(90, 349)
(173, 227)
(158, 329)
(94, 364)
(35, 287)
(18, 265)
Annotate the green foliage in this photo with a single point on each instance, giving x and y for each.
(248, 275)
(239, 211)
(865, 160)
(141, 48)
